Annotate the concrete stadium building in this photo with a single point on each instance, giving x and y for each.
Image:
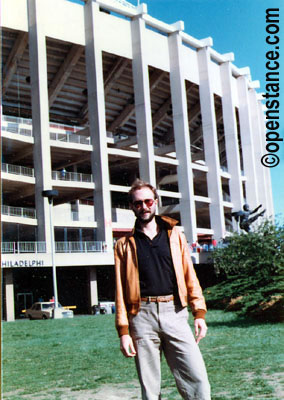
(94, 95)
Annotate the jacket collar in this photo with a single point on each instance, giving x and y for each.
(167, 222)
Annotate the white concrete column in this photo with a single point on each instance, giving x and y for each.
(269, 199)
(142, 102)
(40, 116)
(96, 103)
(182, 139)
(258, 148)
(247, 143)
(210, 140)
(231, 136)
(9, 293)
(93, 286)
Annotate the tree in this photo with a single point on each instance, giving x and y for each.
(250, 267)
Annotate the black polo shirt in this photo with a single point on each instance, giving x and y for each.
(156, 271)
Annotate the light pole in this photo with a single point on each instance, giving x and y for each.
(50, 194)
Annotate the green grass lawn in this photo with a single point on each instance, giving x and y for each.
(243, 357)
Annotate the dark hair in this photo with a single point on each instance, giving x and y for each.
(139, 184)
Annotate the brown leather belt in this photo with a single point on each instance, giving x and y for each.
(158, 299)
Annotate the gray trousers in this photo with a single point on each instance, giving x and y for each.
(163, 327)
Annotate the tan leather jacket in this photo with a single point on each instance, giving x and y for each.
(127, 276)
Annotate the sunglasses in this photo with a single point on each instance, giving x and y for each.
(139, 203)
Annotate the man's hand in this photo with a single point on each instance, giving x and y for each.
(200, 329)
(127, 346)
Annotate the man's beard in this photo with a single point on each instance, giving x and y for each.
(145, 217)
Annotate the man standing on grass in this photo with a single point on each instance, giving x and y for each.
(155, 281)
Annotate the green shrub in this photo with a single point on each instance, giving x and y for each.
(250, 267)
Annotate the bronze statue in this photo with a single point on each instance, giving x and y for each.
(243, 217)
